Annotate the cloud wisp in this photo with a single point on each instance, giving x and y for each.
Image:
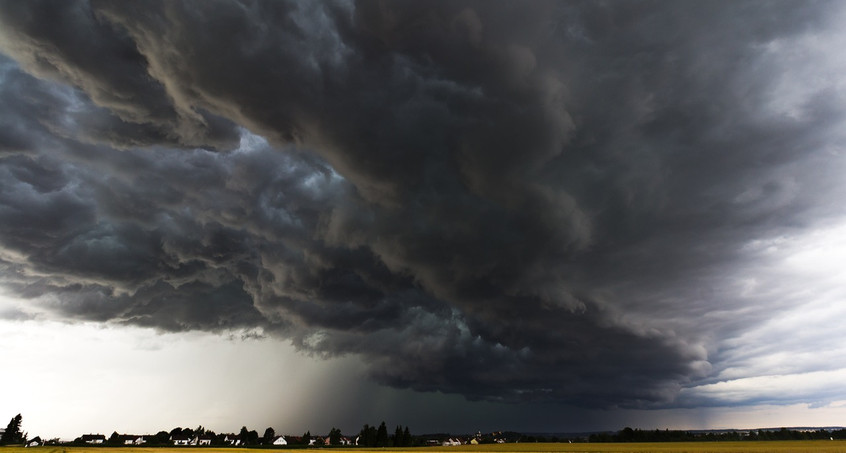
(512, 202)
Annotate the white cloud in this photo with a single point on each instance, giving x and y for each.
(796, 353)
(796, 387)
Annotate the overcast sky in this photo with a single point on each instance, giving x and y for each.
(542, 216)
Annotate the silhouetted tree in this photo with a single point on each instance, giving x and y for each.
(335, 436)
(12, 435)
(382, 436)
(269, 435)
(396, 439)
(367, 437)
(406, 438)
(160, 438)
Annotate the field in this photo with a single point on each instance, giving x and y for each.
(815, 446)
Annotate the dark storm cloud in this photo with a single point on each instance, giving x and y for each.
(509, 201)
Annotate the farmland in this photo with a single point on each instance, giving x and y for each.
(815, 446)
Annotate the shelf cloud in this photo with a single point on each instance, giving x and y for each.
(585, 203)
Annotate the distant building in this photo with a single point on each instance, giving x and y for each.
(93, 438)
(181, 440)
(280, 440)
(232, 439)
(132, 439)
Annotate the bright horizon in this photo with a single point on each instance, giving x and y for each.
(156, 399)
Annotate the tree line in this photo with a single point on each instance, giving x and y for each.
(636, 435)
(369, 436)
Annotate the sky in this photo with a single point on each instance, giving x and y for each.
(452, 215)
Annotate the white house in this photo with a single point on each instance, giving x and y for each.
(93, 438)
(132, 439)
(232, 439)
(180, 440)
(203, 440)
(280, 440)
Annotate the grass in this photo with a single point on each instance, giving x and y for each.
(804, 446)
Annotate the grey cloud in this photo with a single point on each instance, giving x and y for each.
(70, 43)
(507, 201)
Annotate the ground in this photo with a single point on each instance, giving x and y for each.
(816, 446)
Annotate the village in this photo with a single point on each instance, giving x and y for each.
(369, 436)
(238, 440)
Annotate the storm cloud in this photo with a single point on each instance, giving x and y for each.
(543, 201)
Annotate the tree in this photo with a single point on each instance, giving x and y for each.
(367, 437)
(382, 436)
(161, 438)
(12, 435)
(406, 438)
(397, 437)
(269, 435)
(335, 436)
(114, 439)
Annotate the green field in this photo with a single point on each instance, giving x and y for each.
(817, 446)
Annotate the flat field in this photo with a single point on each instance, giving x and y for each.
(815, 446)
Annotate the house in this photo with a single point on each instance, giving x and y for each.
(345, 441)
(93, 438)
(205, 439)
(451, 442)
(132, 439)
(232, 439)
(35, 442)
(280, 440)
(181, 440)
